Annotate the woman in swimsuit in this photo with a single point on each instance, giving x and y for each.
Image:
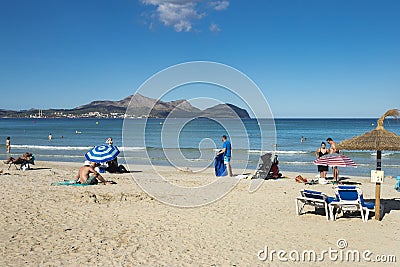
(319, 153)
(8, 145)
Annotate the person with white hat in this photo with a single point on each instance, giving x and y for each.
(88, 175)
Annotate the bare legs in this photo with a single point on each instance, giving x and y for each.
(10, 159)
(229, 168)
(336, 173)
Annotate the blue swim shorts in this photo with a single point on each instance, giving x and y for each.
(227, 159)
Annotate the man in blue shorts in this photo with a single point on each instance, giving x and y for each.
(227, 151)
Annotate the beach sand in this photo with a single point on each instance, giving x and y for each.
(120, 225)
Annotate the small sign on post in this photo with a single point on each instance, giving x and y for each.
(377, 176)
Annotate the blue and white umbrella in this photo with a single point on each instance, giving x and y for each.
(102, 153)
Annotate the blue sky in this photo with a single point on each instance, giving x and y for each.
(311, 58)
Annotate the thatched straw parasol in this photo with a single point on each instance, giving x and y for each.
(378, 139)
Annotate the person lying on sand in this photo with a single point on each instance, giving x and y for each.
(25, 157)
(88, 175)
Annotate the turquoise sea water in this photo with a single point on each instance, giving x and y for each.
(72, 138)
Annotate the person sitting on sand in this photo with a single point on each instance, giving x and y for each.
(25, 157)
(88, 175)
(114, 167)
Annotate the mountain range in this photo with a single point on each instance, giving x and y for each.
(139, 106)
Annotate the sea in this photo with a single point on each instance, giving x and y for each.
(192, 144)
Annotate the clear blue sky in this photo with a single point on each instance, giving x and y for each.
(311, 58)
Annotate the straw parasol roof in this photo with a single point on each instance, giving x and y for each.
(377, 139)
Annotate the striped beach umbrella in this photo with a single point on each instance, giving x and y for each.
(335, 160)
(102, 153)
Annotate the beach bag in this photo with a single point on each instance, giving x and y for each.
(300, 179)
(122, 169)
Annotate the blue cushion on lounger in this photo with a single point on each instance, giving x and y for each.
(312, 192)
(330, 199)
(347, 187)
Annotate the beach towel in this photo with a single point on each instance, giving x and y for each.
(75, 183)
(68, 182)
(219, 166)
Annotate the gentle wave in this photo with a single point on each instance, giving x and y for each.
(291, 152)
(250, 151)
(311, 163)
(383, 154)
(131, 148)
(85, 148)
(58, 156)
(278, 152)
(295, 163)
(53, 147)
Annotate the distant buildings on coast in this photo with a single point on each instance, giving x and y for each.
(95, 114)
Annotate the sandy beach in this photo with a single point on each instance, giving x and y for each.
(120, 225)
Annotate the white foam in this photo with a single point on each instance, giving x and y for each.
(278, 152)
(386, 154)
(85, 148)
(53, 147)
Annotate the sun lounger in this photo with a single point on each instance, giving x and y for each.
(22, 163)
(313, 198)
(268, 168)
(263, 167)
(350, 199)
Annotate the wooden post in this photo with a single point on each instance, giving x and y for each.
(378, 187)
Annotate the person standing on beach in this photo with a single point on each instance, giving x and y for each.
(319, 153)
(333, 149)
(227, 152)
(8, 145)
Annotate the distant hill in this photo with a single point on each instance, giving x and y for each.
(139, 106)
(225, 111)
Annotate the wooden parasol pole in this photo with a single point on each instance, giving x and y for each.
(378, 187)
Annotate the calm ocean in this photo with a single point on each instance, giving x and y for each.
(72, 138)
